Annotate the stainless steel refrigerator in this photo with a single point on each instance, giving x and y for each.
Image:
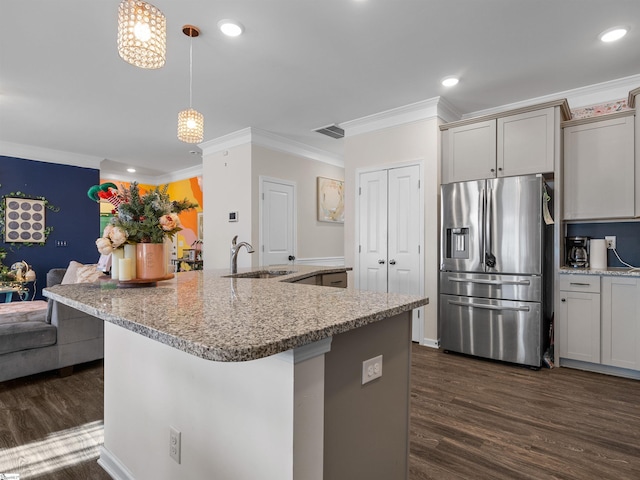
(493, 269)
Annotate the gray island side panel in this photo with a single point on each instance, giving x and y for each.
(234, 319)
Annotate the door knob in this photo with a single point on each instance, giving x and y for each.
(392, 262)
(563, 300)
(381, 262)
(292, 258)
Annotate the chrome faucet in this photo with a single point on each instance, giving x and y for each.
(235, 249)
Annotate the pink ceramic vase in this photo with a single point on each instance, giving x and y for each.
(150, 261)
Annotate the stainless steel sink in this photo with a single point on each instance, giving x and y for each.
(262, 274)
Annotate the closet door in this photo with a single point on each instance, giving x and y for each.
(372, 274)
(404, 230)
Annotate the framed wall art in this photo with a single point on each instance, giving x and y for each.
(330, 200)
(24, 220)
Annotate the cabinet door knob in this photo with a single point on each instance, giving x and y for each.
(392, 262)
(381, 262)
(563, 300)
(500, 169)
(493, 170)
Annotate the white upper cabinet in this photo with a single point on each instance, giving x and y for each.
(526, 143)
(599, 168)
(469, 152)
(520, 143)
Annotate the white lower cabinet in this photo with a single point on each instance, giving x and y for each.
(599, 323)
(579, 318)
(621, 322)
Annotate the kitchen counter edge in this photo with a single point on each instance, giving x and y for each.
(249, 352)
(611, 271)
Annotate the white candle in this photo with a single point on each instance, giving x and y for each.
(125, 269)
(116, 255)
(130, 252)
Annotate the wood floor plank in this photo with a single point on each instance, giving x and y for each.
(470, 419)
(481, 419)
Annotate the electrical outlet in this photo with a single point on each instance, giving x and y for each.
(174, 443)
(371, 369)
(611, 242)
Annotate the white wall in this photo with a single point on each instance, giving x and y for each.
(226, 187)
(315, 239)
(411, 142)
(236, 418)
(230, 182)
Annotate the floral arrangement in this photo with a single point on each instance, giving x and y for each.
(147, 218)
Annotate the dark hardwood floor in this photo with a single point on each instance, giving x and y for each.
(477, 419)
(51, 426)
(471, 419)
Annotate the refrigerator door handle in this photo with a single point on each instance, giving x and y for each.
(489, 307)
(489, 258)
(490, 282)
(483, 225)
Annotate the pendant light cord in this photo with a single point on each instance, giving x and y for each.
(190, 70)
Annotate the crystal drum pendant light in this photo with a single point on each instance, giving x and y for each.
(190, 122)
(142, 34)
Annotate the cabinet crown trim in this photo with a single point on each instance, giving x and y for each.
(598, 118)
(632, 97)
(565, 112)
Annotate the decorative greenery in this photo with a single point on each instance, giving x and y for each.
(147, 218)
(3, 205)
(4, 270)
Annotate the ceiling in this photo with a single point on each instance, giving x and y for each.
(300, 65)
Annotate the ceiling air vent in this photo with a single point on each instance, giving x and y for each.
(332, 131)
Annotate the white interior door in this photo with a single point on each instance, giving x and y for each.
(278, 221)
(390, 235)
(372, 274)
(404, 230)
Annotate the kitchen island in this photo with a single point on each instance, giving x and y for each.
(255, 377)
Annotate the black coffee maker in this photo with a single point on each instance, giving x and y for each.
(577, 249)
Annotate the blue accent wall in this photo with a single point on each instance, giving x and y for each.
(627, 239)
(77, 222)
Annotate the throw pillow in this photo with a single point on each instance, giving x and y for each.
(71, 273)
(79, 273)
(88, 274)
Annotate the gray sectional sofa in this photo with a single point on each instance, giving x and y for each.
(52, 337)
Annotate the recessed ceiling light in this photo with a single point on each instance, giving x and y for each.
(613, 34)
(450, 81)
(230, 28)
(131, 170)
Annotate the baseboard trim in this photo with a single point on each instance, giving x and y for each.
(429, 342)
(113, 466)
(322, 261)
(598, 368)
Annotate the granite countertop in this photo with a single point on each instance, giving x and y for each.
(611, 271)
(226, 319)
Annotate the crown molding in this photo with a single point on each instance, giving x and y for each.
(263, 138)
(577, 97)
(234, 139)
(184, 174)
(447, 112)
(176, 176)
(40, 154)
(425, 109)
(270, 140)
